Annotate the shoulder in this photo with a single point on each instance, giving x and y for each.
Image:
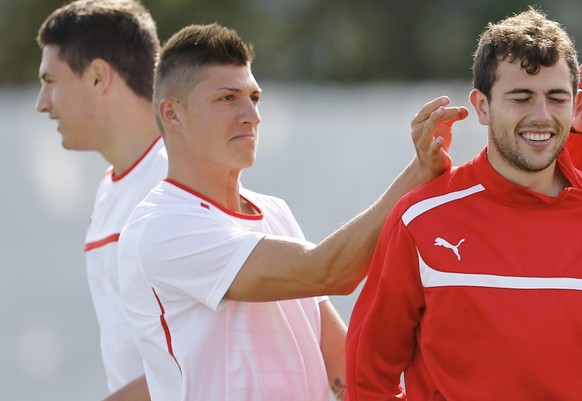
(166, 200)
(456, 183)
(265, 202)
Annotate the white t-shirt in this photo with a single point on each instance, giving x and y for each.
(116, 198)
(191, 249)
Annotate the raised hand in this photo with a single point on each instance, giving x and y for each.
(432, 134)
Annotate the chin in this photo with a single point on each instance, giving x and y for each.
(66, 145)
(248, 161)
(248, 164)
(71, 146)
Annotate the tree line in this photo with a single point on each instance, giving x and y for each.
(313, 40)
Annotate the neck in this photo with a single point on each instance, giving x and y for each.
(549, 181)
(219, 185)
(130, 134)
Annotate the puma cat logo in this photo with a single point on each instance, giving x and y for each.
(444, 243)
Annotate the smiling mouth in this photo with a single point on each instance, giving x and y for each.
(536, 137)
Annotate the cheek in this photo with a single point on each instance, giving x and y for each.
(567, 120)
(68, 101)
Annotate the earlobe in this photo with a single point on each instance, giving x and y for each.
(169, 114)
(481, 105)
(100, 75)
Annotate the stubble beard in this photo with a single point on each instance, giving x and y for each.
(511, 154)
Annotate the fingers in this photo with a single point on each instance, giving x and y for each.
(432, 133)
(439, 122)
(428, 111)
(454, 114)
(434, 121)
(435, 146)
(429, 108)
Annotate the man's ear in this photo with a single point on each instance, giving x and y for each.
(481, 105)
(170, 112)
(100, 75)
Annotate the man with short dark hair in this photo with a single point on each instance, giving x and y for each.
(239, 292)
(96, 72)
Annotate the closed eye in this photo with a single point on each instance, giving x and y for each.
(559, 100)
(520, 99)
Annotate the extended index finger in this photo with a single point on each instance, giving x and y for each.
(429, 108)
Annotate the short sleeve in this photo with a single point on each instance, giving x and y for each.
(197, 254)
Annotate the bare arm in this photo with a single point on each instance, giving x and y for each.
(136, 390)
(333, 338)
(340, 262)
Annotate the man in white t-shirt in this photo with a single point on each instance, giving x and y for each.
(232, 281)
(97, 76)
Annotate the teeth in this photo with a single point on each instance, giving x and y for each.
(537, 137)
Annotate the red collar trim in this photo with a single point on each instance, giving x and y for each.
(117, 177)
(257, 216)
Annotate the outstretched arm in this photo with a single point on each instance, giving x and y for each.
(340, 262)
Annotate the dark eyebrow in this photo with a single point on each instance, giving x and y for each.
(559, 92)
(518, 91)
(524, 91)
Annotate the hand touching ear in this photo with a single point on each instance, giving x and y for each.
(432, 134)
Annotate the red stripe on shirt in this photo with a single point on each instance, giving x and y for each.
(102, 242)
(166, 329)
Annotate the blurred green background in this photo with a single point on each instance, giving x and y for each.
(308, 40)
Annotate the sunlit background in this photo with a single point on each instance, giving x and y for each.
(341, 79)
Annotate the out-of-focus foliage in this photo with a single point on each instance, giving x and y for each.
(340, 40)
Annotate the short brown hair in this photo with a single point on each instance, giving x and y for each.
(528, 37)
(185, 55)
(121, 32)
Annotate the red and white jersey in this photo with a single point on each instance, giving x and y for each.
(117, 196)
(190, 249)
(475, 293)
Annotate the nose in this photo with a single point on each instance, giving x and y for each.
(540, 110)
(251, 114)
(42, 100)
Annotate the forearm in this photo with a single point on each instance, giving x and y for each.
(136, 390)
(349, 250)
(333, 338)
(339, 263)
(334, 267)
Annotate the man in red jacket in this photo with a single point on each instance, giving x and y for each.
(475, 286)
